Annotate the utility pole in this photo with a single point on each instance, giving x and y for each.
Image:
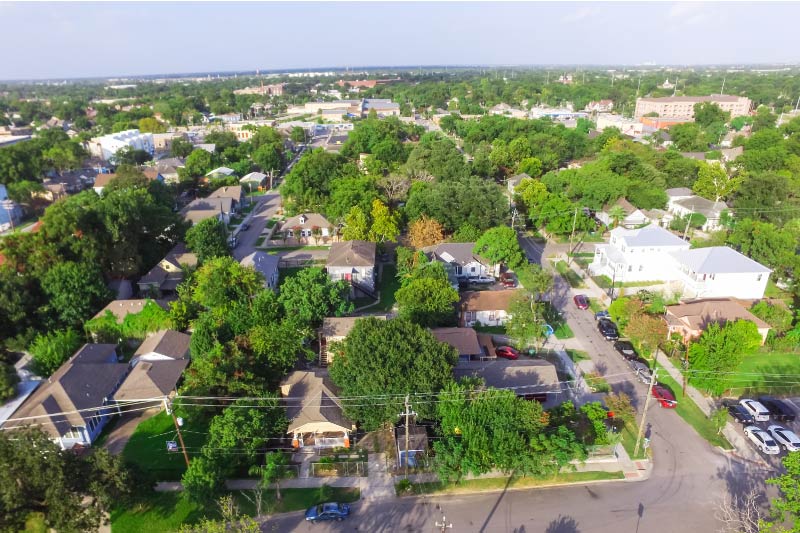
(180, 436)
(644, 413)
(408, 413)
(686, 230)
(722, 91)
(571, 235)
(444, 525)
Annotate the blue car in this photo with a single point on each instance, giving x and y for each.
(328, 511)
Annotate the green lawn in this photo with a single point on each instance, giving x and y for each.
(147, 447)
(166, 511)
(577, 355)
(597, 383)
(494, 330)
(773, 291)
(595, 305)
(500, 483)
(604, 282)
(570, 275)
(692, 414)
(563, 331)
(629, 442)
(292, 248)
(288, 272)
(388, 285)
(762, 373)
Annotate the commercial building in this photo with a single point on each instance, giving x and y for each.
(683, 106)
(107, 146)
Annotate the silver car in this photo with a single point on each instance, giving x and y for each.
(762, 440)
(757, 409)
(785, 438)
(642, 371)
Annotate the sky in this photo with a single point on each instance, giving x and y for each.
(99, 39)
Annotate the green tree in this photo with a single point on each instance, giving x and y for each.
(208, 239)
(384, 224)
(647, 331)
(466, 233)
(311, 296)
(527, 325)
(384, 359)
(8, 381)
(151, 125)
(268, 157)
(23, 191)
(708, 113)
(535, 279)
(617, 214)
(356, 225)
(346, 193)
(439, 156)
(203, 480)
(75, 290)
(198, 163)
(688, 137)
(500, 245)
(457, 202)
(531, 166)
(764, 119)
(786, 507)
(222, 281)
(277, 346)
(72, 492)
(765, 243)
(298, 135)
(428, 301)
(719, 351)
(231, 521)
(275, 469)
(181, 147)
(714, 183)
(52, 349)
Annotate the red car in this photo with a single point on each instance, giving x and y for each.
(507, 280)
(664, 397)
(581, 301)
(507, 352)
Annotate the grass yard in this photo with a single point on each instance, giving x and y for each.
(577, 355)
(596, 382)
(629, 442)
(293, 248)
(388, 285)
(147, 448)
(595, 305)
(501, 483)
(288, 272)
(762, 373)
(604, 282)
(570, 275)
(494, 330)
(773, 291)
(563, 331)
(692, 414)
(166, 511)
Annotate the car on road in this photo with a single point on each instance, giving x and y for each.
(759, 412)
(642, 371)
(607, 329)
(507, 352)
(740, 414)
(507, 280)
(244, 226)
(762, 440)
(581, 301)
(786, 439)
(600, 315)
(778, 410)
(625, 349)
(328, 511)
(664, 397)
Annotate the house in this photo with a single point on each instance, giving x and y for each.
(603, 106)
(254, 181)
(107, 146)
(460, 261)
(164, 345)
(162, 142)
(316, 419)
(416, 445)
(336, 329)
(202, 208)
(633, 217)
(464, 340)
(300, 228)
(168, 168)
(10, 211)
(219, 173)
(154, 380)
(76, 402)
(165, 277)
(122, 308)
(354, 262)
(657, 217)
(719, 271)
(266, 264)
(532, 379)
(234, 192)
(488, 308)
(690, 319)
(637, 255)
(513, 182)
(682, 206)
(208, 147)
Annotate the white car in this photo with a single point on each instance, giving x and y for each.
(762, 440)
(786, 438)
(759, 412)
(482, 280)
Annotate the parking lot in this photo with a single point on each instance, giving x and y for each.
(772, 460)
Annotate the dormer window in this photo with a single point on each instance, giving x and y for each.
(302, 219)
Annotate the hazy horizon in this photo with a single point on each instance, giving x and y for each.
(106, 40)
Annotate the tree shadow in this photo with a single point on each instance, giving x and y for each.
(563, 524)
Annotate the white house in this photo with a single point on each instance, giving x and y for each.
(633, 217)
(719, 271)
(107, 146)
(637, 255)
(10, 211)
(301, 227)
(683, 202)
(354, 262)
(459, 260)
(488, 308)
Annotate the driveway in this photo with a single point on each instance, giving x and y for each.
(124, 428)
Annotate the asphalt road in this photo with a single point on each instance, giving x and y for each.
(688, 481)
(268, 205)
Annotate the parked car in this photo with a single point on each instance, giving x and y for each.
(762, 440)
(778, 410)
(664, 397)
(244, 226)
(507, 352)
(642, 371)
(482, 280)
(785, 438)
(607, 329)
(581, 301)
(759, 412)
(740, 414)
(328, 511)
(625, 349)
(601, 315)
(508, 281)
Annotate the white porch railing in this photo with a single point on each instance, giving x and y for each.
(328, 442)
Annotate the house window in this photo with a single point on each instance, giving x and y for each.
(641, 267)
(73, 433)
(759, 277)
(630, 268)
(472, 269)
(492, 315)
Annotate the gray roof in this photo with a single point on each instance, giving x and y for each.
(679, 191)
(454, 252)
(263, 262)
(351, 253)
(166, 342)
(707, 208)
(518, 178)
(151, 379)
(255, 177)
(718, 260)
(648, 236)
(465, 340)
(340, 326)
(528, 376)
(312, 398)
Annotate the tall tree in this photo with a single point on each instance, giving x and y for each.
(52, 349)
(500, 245)
(425, 232)
(76, 291)
(208, 239)
(428, 301)
(714, 183)
(719, 351)
(384, 224)
(311, 296)
(384, 359)
(356, 225)
(527, 325)
(222, 281)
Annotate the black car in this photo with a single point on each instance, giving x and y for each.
(778, 410)
(740, 414)
(607, 329)
(625, 349)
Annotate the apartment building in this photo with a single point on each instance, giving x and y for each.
(107, 146)
(683, 106)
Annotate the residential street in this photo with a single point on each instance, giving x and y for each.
(268, 205)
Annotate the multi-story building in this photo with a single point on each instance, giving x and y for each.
(683, 106)
(107, 146)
